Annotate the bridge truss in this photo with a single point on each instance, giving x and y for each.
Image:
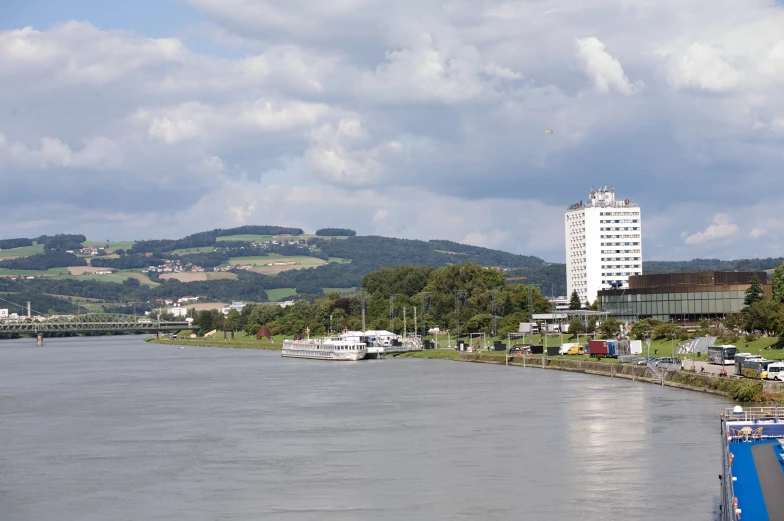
(91, 322)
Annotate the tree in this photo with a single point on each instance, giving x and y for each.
(610, 327)
(232, 322)
(574, 301)
(764, 315)
(778, 283)
(666, 330)
(734, 321)
(576, 326)
(480, 323)
(591, 325)
(645, 327)
(754, 293)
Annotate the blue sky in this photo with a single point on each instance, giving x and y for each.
(155, 18)
(420, 119)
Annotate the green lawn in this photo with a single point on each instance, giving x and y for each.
(338, 260)
(120, 245)
(24, 251)
(278, 294)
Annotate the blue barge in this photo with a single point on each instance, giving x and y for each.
(752, 479)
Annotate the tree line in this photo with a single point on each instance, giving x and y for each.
(466, 292)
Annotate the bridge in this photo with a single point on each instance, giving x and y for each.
(90, 323)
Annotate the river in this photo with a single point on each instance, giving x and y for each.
(114, 428)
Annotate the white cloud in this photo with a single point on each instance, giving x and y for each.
(722, 229)
(605, 70)
(702, 67)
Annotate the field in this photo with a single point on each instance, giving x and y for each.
(81, 270)
(260, 263)
(121, 245)
(24, 251)
(186, 251)
(275, 295)
(342, 291)
(52, 272)
(338, 260)
(259, 238)
(314, 236)
(193, 277)
(245, 237)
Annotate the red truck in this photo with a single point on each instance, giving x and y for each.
(601, 349)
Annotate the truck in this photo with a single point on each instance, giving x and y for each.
(529, 328)
(602, 349)
(571, 348)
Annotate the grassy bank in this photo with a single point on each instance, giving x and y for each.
(218, 342)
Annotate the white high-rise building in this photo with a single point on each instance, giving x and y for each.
(603, 243)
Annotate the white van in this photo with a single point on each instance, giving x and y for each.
(776, 371)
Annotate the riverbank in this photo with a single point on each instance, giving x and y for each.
(207, 342)
(742, 390)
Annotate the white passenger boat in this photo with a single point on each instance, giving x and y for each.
(324, 349)
(381, 342)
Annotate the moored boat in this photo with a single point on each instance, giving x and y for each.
(752, 464)
(324, 349)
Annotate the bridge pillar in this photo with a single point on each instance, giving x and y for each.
(39, 339)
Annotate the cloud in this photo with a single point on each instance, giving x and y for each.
(722, 229)
(605, 71)
(426, 118)
(97, 153)
(702, 67)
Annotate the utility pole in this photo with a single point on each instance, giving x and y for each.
(495, 330)
(424, 301)
(459, 293)
(404, 322)
(391, 318)
(362, 298)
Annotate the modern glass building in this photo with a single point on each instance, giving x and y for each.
(681, 297)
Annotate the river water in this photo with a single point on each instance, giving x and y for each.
(117, 429)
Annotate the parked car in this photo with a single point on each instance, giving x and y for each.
(667, 361)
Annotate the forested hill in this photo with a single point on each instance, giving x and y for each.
(653, 267)
(385, 252)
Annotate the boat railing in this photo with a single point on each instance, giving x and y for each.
(753, 413)
(727, 486)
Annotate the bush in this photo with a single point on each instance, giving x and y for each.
(751, 337)
(744, 390)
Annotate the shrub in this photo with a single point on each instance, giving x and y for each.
(751, 337)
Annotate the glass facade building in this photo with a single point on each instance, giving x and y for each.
(680, 297)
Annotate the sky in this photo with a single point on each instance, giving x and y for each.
(416, 119)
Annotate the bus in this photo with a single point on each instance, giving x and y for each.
(722, 355)
(755, 368)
